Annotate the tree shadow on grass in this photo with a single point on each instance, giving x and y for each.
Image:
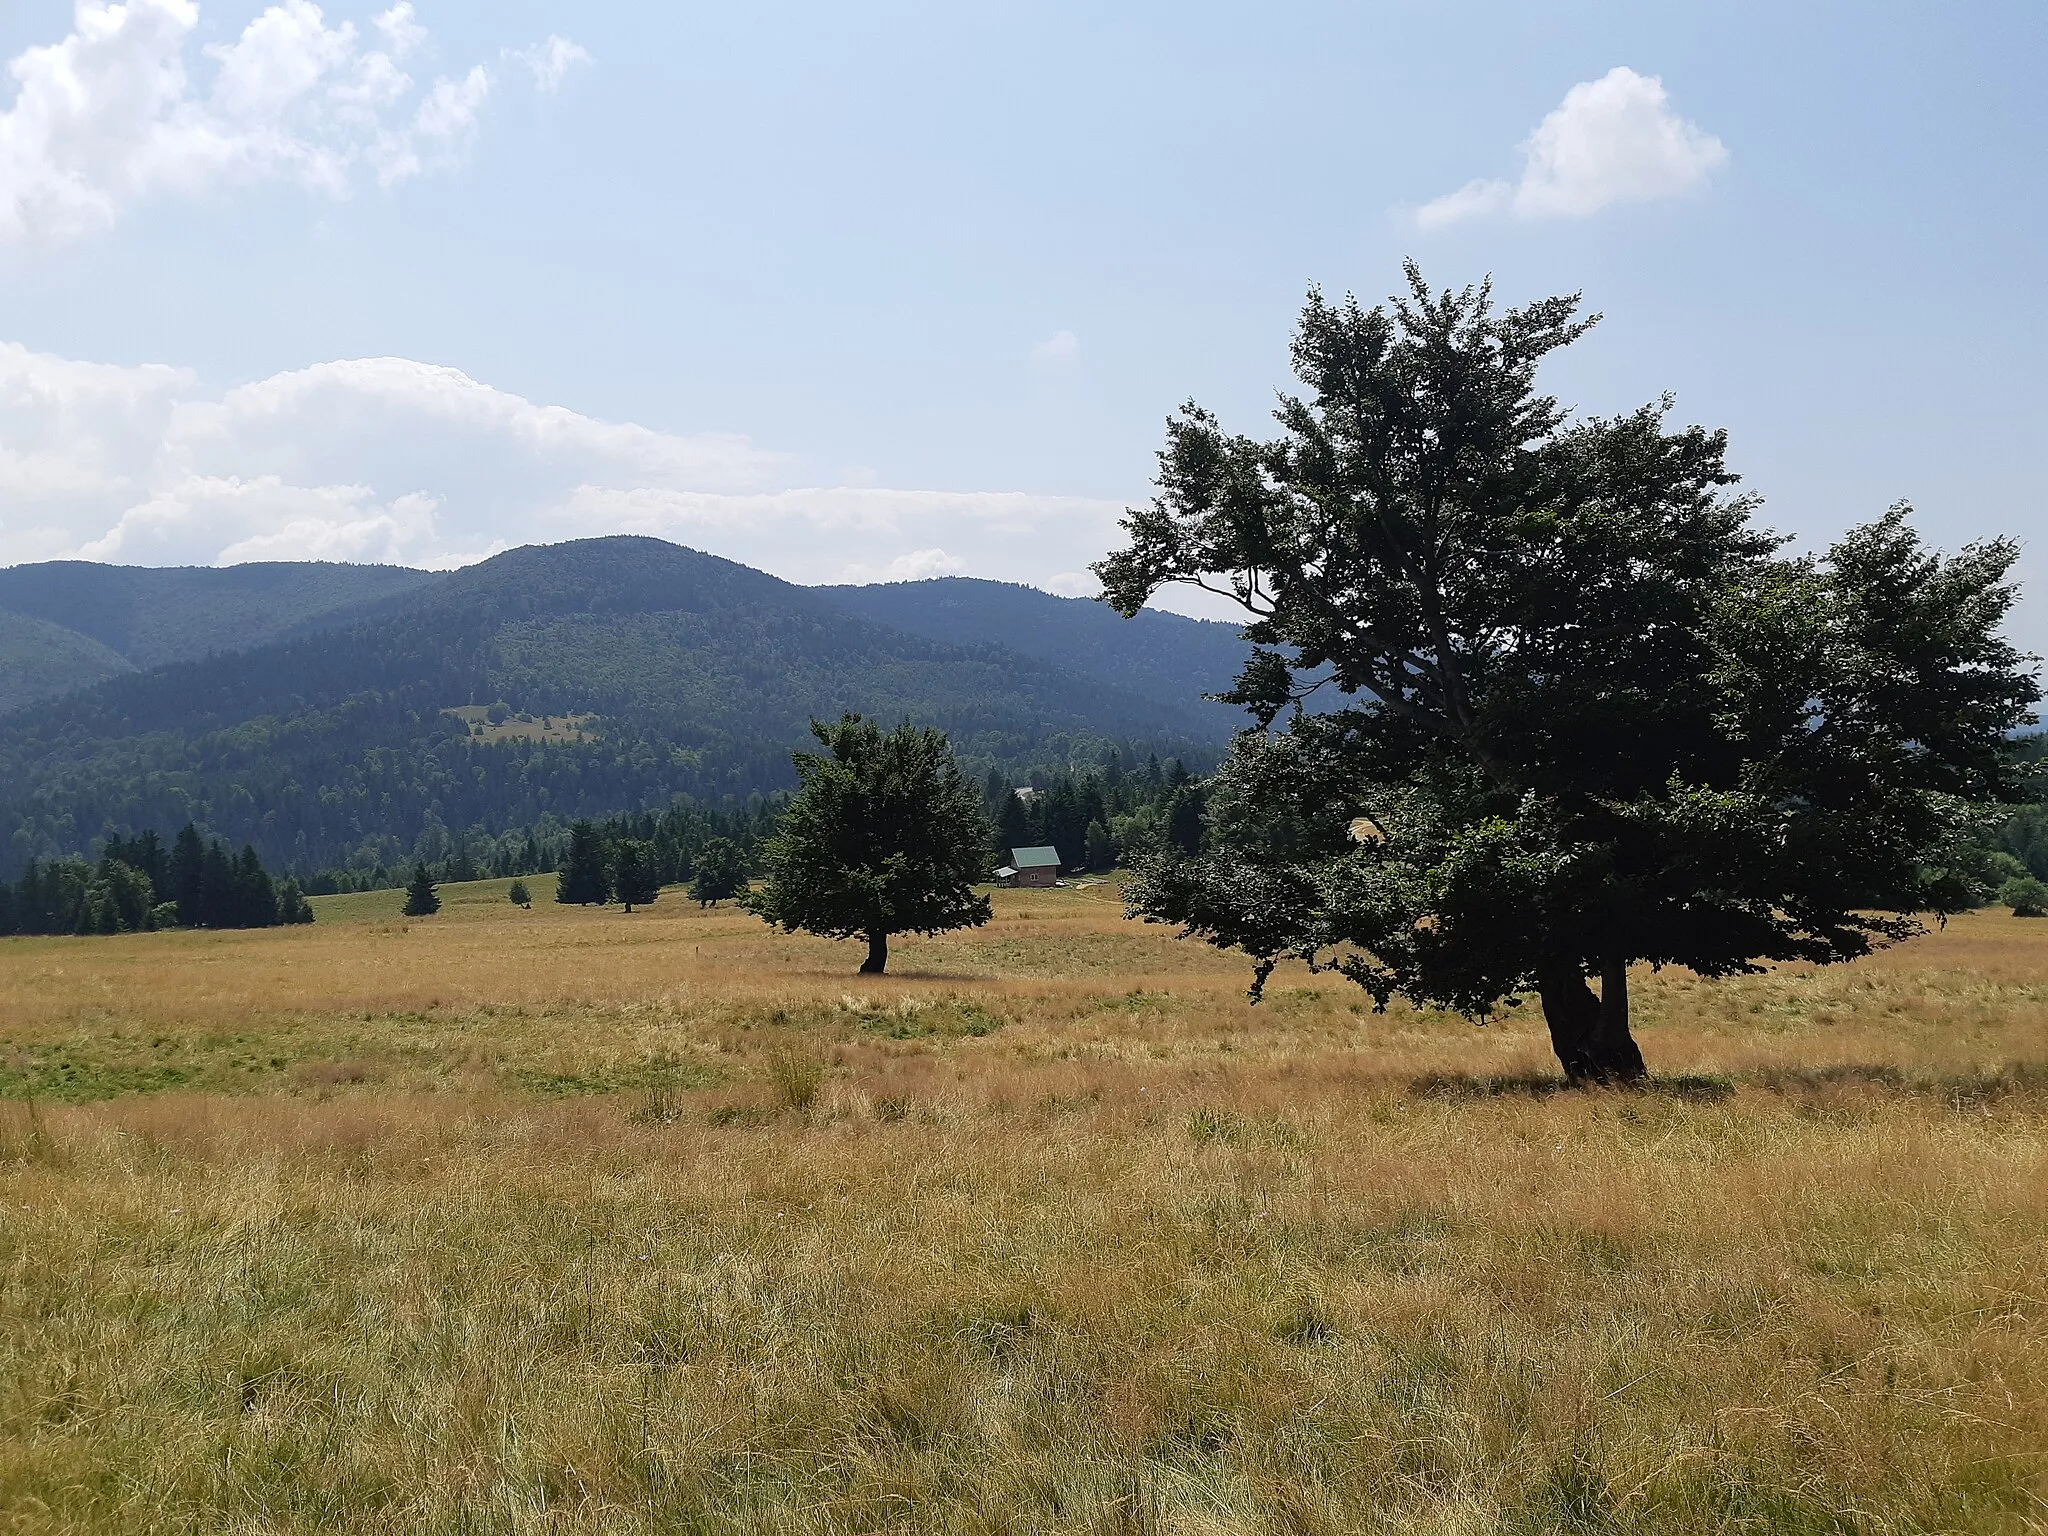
(1983, 1085)
(1961, 1089)
(1466, 1087)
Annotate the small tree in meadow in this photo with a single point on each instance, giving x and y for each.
(721, 872)
(634, 881)
(885, 835)
(519, 895)
(421, 900)
(292, 906)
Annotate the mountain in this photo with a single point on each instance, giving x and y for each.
(647, 671)
(1156, 655)
(150, 616)
(39, 659)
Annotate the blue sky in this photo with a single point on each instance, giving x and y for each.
(900, 289)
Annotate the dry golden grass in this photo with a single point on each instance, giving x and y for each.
(572, 1221)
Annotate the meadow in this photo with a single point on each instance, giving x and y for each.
(568, 1220)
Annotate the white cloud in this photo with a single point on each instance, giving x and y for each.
(1059, 347)
(388, 459)
(1612, 140)
(916, 565)
(111, 115)
(551, 62)
(1072, 584)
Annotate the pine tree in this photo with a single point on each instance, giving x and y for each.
(254, 904)
(184, 873)
(585, 881)
(519, 895)
(1013, 824)
(1101, 849)
(633, 876)
(292, 906)
(420, 897)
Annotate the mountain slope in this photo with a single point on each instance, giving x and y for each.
(39, 659)
(1157, 655)
(702, 673)
(153, 615)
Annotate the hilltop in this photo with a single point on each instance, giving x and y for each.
(694, 675)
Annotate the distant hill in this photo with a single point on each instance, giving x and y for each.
(150, 616)
(701, 674)
(39, 659)
(1157, 655)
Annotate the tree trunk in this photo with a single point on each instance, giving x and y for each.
(1590, 1032)
(878, 954)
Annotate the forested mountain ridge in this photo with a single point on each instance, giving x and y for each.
(1159, 655)
(80, 623)
(155, 615)
(334, 749)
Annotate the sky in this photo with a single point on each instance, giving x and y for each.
(898, 290)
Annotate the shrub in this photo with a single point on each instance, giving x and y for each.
(519, 895)
(2026, 896)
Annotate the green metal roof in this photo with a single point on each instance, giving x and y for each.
(1035, 858)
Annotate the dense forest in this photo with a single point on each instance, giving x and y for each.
(1157, 655)
(694, 676)
(137, 885)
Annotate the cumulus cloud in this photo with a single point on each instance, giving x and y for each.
(387, 459)
(120, 111)
(1612, 140)
(916, 565)
(551, 62)
(1059, 347)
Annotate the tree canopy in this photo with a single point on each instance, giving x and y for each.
(1594, 714)
(586, 874)
(634, 880)
(721, 872)
(884, 835)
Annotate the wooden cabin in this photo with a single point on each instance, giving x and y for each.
(1034, 866)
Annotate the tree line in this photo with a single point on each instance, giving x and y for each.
(137, 885)
(1099, 818)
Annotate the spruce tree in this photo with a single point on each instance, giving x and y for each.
(633, 875)
(585, 881)
(421, 900)
(519, 895)
(292, 906)
(1013, 825)
(255, 899)
(184, 873)
(1101, 849)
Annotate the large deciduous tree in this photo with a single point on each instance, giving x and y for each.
(885, 835)
(1593, 716)
(721, 872)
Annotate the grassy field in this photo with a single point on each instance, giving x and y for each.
(572, 1221)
